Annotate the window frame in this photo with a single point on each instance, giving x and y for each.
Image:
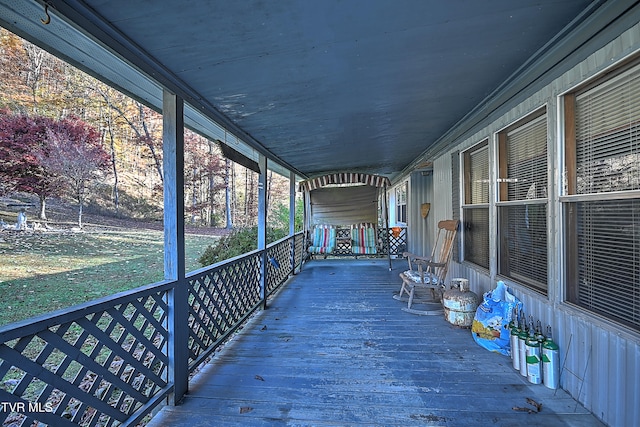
(470, 206)
(530, 279)
(401, 193)
(573, 200)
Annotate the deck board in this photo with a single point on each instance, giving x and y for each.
(335, 349)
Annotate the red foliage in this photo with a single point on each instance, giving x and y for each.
(39, 155)
(21, 140)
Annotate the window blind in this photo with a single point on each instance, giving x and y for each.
(476, 235)
(475, 211)
(479, 176)
(527, 161)
(609, 258)
(455, 200)
(523, 244)
(523, 226)
(607, 124)
(603, 231)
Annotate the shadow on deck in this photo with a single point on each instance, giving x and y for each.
(335, 349)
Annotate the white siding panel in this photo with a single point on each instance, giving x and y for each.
(420, 239)
(600, 360)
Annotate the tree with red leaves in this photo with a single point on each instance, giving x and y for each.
(45, 157)
(73, 152)
(21, 140)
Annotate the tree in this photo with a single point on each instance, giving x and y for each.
(73, 152)
(228, 183)
(204, 173)
(22, 139)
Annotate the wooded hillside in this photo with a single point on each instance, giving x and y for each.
(35, 84)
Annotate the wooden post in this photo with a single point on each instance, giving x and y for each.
(385, 212)
(174, 253)
(292, 218)
(262, 228)
(292, 203)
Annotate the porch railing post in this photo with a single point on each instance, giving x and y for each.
(292, 219)
(262, 228)
(174, 252)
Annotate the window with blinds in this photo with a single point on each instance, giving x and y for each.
(476, 235)
(602, 197)
(401, 203)
(607, 134)
(608, 252)
(455, 200)
(478, 182)
(522, 206)
(475, 209)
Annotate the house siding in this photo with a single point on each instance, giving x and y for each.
(600, 360)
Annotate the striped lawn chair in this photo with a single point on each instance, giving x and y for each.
(323, 240)
(364, 239)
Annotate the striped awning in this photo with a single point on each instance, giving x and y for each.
(344, 178)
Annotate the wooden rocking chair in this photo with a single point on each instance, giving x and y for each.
(429, 272)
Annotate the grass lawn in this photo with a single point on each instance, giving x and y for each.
(41, 272)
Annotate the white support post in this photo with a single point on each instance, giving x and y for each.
(292, 203)
(262, 227)
(292, 219)
(174, 252)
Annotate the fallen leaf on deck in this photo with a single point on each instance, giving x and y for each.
(537, 405)
(521, 409)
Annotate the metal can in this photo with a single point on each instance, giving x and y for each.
(515, 332)
(460, 304)
(522, 347)
(534, 362)
(550, 362)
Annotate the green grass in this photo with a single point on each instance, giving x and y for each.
(42, 272)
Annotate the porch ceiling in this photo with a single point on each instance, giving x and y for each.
(322, 86)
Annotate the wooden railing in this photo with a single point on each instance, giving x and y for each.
(106, 362)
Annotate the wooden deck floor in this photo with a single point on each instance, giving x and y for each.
(335, 349)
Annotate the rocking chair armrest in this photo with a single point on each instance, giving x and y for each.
(413, 257)
(435, 264)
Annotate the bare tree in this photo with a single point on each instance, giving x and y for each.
(73, 151)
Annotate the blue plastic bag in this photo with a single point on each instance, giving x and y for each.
(490, 328)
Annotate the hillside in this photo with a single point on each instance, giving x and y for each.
(63, 215)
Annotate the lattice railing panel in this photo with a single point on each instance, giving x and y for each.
(219, 298)
(101, 365)
(279, 264)
(397, 244)
(105, 363)
(300, 249)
